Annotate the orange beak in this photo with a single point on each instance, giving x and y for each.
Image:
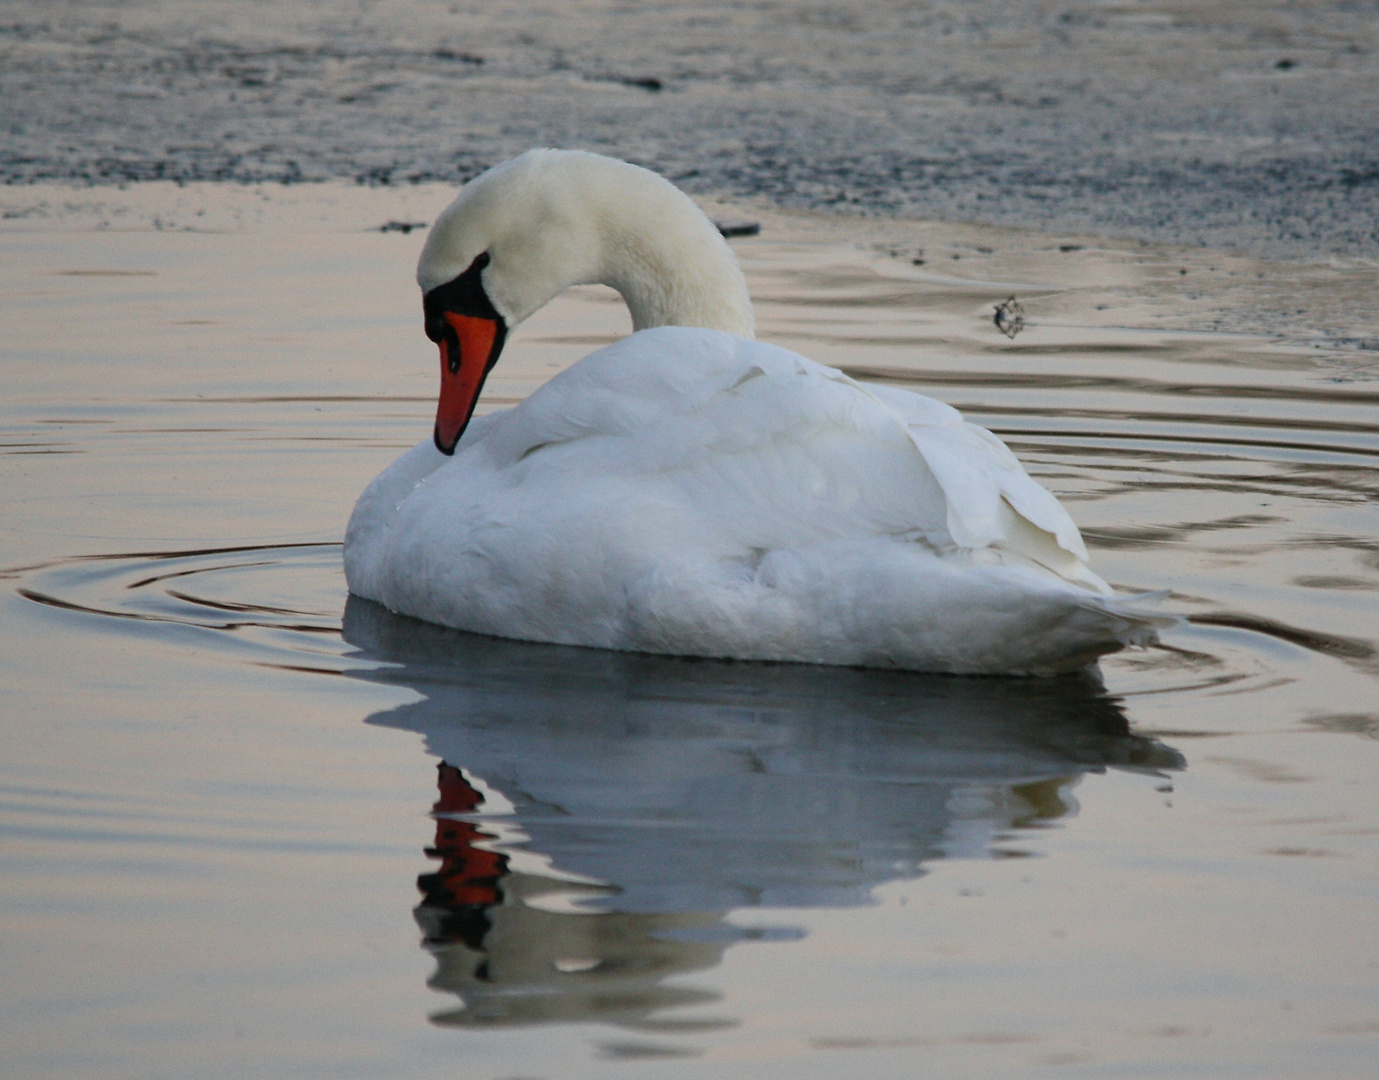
(468, 352)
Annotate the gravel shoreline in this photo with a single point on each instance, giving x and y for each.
(1228, 124)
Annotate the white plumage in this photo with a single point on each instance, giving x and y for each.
(692, 491)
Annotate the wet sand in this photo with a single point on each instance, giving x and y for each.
(1231, 124)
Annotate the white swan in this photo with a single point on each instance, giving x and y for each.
(692, 491)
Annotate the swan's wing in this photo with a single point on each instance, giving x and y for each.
(967, 490)
(990, 500)
(764, 449)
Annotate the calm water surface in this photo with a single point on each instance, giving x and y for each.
(248, 828)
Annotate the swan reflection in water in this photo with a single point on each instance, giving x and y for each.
(602, 814)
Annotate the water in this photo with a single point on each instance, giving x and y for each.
(250, 828)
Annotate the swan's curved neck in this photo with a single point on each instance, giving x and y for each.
(672, 268)
(554, 218)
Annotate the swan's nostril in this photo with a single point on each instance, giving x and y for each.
(451, 352)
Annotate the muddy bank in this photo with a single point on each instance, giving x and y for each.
(1225, 124)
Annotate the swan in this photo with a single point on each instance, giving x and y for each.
(692, 491)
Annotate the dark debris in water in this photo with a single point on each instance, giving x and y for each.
(1009, 317)
(738, 228)
(457, 55)
(403, 227)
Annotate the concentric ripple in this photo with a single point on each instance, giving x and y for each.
(287, 598)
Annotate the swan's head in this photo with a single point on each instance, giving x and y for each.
(525, 230)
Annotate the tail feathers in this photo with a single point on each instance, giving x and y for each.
(1137, 614)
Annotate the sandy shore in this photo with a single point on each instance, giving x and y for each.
(1224, 123)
